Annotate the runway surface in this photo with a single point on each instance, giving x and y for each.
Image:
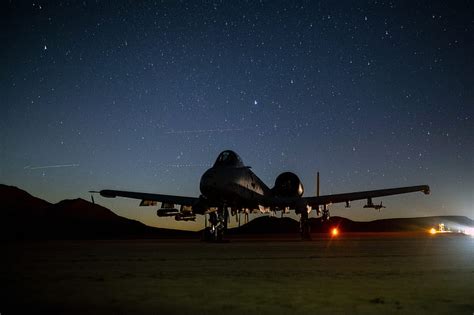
(356, 274)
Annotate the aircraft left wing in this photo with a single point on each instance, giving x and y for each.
(347, 197)
(180, 200)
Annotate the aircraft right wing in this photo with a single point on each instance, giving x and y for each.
(347, 197)
(316, 201)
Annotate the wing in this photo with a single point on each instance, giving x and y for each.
(281, 202)
(180, 200)
(347, 197)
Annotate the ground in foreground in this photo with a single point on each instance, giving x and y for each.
(358, 274)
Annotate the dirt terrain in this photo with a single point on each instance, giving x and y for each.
(357, 274)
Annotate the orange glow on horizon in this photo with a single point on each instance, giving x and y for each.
(334, 232)
(433, 231)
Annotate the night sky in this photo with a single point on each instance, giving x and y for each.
(143, 96)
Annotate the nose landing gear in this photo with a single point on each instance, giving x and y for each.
(218, 225)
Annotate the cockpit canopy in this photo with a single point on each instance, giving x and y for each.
(228, 158)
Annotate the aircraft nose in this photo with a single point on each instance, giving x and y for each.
(209, 174)
(207, 180)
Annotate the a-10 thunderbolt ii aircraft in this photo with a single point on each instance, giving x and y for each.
(229, 184)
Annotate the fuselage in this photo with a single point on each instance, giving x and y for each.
(232, 183)
(233, 186)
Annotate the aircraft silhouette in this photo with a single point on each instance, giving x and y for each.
(229, 184)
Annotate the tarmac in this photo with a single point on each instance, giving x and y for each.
(392, 273)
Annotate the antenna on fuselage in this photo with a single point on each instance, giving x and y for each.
(317, 191)
(317, 184)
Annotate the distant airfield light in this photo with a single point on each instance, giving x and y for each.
(452, 230)
(469, 231)
(334, 232)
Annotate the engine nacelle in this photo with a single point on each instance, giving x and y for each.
(288, 185)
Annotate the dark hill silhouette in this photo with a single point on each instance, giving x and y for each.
(274, 225)
(80, 209)
(23, 216)
(14, 200)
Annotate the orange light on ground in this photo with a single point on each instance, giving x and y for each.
(334, 232)
(432, 231)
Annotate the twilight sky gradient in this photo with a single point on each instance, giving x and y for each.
(142, 96)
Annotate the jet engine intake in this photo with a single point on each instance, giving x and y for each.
(288, 185)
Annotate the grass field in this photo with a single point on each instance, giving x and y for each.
(355, 274)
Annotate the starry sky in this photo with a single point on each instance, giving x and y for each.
(143, 95)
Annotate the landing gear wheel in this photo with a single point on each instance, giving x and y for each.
(325, 216)
(305, 227)
(207, 235)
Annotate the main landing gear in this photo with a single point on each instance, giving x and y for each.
(325, 214)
